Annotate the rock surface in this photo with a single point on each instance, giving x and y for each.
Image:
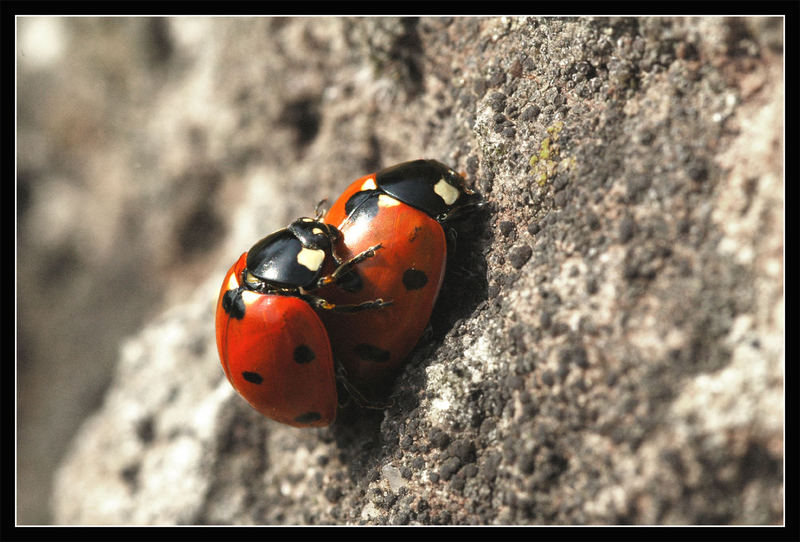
(609, 345)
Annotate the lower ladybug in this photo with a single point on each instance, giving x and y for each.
(405, 208)
(273, 347)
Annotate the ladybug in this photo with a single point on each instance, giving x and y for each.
(406, 208)
(272, 344)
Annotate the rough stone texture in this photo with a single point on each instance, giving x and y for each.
(608, 347)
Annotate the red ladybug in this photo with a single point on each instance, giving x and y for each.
(403, 208)
(273, 347)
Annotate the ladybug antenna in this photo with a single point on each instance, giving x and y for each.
(319, 210)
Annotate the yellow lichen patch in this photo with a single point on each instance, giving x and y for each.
(544, 149)
(546, 161)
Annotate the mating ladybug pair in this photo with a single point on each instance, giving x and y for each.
(357, 285)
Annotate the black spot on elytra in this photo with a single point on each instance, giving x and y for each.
(308, 417)
(414, 279)
(255, 378)
(303, 354)
(233, 304)
(370, 352)
(350, 282)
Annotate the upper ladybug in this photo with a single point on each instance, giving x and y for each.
(407, 208)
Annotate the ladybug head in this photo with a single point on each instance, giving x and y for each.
(314, 234)
(289, 258)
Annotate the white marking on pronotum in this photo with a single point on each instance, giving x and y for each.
(387, 201)
(446, 191)
(316, 231)
(310, 258)
(369, 184)
(232, 282)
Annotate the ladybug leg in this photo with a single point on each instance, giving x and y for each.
(347, 266)
(355, 393)
(319, 303)
(451, 236)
